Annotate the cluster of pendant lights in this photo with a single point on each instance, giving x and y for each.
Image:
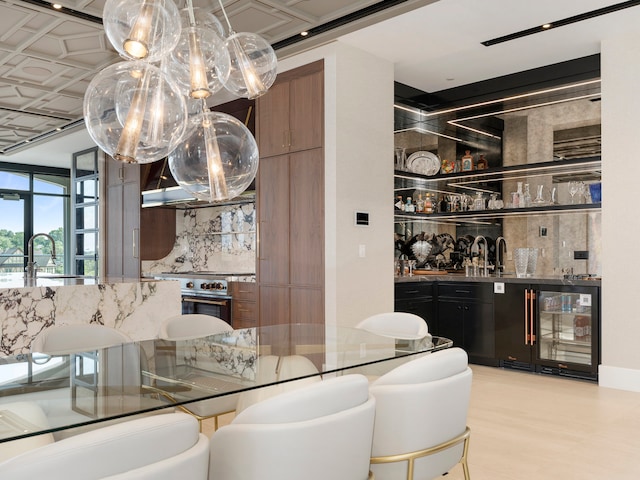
(153, 105)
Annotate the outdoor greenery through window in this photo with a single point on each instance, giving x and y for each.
(34, 200)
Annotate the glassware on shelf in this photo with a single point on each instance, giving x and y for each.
(412, 265)
(526, 197)
(478, 202)
(401, 158)
(532, 262)
(521, 261)
(573, 189)
(554, 196)
(539, 200)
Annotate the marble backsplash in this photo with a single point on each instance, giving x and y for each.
(211, 239)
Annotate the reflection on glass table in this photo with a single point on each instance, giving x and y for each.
(86, 388)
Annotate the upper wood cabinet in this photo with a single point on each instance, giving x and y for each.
(290, 115)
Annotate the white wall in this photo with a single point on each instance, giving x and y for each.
(358, 176)
(620, 221)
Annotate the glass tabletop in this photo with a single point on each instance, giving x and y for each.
(84, 388)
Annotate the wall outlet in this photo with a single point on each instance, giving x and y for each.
(581, 255)
(543, 231)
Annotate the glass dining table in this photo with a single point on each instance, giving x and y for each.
(84, 389)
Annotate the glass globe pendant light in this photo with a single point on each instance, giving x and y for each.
(134, 112)
(254, 64)
(217, 159)
(200, 62)
(142, 29)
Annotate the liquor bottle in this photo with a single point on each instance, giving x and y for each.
(409, 206)
(420, 204)
(428, 204)
(399, 203)
(482, 163)
(467, 161)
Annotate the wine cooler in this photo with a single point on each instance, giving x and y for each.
(551, 329)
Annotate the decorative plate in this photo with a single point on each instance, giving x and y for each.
(424, 163)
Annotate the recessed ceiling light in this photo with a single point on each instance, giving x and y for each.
(57, 6)
(304, 34)
(546, 25)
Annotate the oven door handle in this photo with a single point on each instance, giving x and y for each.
(222, 303)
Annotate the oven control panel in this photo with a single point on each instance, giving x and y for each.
(202, 286)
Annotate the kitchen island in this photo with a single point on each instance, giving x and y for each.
(134, 306)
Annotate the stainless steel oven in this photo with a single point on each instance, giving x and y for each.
(203, 292)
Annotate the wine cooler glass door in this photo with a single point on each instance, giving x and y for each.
(566, 326)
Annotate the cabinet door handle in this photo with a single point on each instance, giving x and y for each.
(526, 317)
(134, 240)
(532, 316)
(463, 291)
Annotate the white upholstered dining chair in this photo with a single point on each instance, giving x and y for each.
(276, 368)
(317, 432)
(158, 447)
(192, 325)
(401, 329)
(64, 339)
(400, 325)
(421, 417)
(189, 327)
(23, 416)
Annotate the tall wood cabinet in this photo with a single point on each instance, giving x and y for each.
(122, 219)
(290, 199)
(132, 233)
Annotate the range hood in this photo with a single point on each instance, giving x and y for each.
(160, 189)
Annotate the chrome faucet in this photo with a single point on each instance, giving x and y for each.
(32, 267)
(501, 249)
(476, 245)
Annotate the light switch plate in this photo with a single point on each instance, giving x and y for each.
(498, 287)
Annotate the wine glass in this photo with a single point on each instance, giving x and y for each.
(574, 187)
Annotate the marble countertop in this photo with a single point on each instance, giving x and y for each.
(550, 280)
(17, 280)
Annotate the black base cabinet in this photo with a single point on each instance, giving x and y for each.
(417, 298)
(537, 327)
(512, 345)
(465, 315)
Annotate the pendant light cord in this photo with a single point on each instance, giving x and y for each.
(225, 17)
(192, 18)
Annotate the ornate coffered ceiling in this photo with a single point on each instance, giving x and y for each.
(48, 57)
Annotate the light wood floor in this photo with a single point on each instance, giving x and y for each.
(537, 427)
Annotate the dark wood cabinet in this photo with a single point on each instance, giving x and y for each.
(290, 115)
(511, 327)
(290, 199)
(417, 298)
(465, 314)
(244, 311)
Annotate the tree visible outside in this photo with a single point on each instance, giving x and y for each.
(11, 253)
